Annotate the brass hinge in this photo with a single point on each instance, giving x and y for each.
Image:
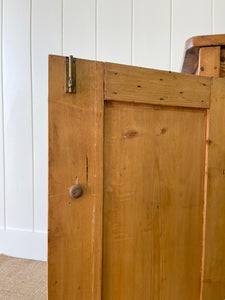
(70, 74)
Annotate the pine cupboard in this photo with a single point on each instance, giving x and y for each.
(137, 179)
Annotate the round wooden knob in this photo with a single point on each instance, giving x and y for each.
(76, 191)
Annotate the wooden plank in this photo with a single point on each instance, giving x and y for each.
(188, 19)
(140, 85)
(79, 32)
(209, 61)
(114, 36)
(150, 48)
(75, 151)
(45, 14)
(153, 200)
(208, 65)
(17, 114)
(214, 270)
(192, 47)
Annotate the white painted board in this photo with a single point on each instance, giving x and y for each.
(79, 28)
(218, 16)
(151, 34)
(189, 18)
(2, 162)
(114, 31)
(46, 39)
(17, 114)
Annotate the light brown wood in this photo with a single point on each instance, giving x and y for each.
(209, 61)
(153, 201)
(192, 46)
(205, 41)
(214, 270)
(75, 156)
(163, 217)
(140, 85)
(209, 65)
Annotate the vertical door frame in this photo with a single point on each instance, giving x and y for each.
(75, 157)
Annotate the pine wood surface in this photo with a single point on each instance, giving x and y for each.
(213, 266)
(192, 47)
(214, 269)
(163, 182)
(141, 85)
(209, 61)
(153, 201)
(75, 150)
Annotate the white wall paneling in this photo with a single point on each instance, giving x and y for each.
(46, 38)
(25, 244)
(218, 8)
(17, 114)
(2, 160)
(140, 32)
(115, 31)
(151, 34)
(79, 27)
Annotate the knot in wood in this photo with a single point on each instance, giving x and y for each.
(76, 191)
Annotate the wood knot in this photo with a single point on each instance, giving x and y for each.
(130, 134)
(76, 191)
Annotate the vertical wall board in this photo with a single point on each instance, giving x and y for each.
(151, 36)
(218, 16)
(2, 184)
(79, 28)
(189, 18)
(17, 114)
(114, 31)
(46, 39)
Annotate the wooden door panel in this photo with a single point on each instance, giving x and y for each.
(153, 201)
(163, 134)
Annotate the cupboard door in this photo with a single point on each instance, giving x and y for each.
(135, 140)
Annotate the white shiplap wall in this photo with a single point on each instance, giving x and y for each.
(138, 32)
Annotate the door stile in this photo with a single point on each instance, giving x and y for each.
(76, 157)
(213, 281)
(213, 245)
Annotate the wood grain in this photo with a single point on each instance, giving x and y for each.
(76, 156)
(209, 61)
(192, 47)
(213, 278)
(140, 85)
(153, 201)
(214, 270)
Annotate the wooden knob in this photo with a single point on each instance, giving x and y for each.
(76, 191)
